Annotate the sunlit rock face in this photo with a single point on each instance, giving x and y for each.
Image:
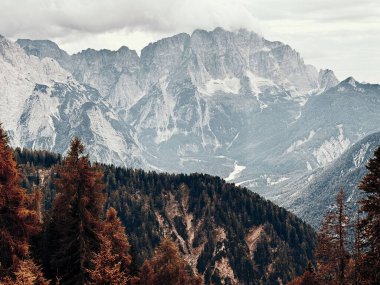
(231, 104)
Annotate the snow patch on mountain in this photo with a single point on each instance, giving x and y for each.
(256, 83)
(274, 181)
(238, 169)
(229, 85)
(294, 146)
(359, 156)
(331, 149)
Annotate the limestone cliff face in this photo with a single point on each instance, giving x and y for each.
(232, 104)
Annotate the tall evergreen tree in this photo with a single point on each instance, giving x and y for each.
(332, 254)
(370, 224)
(358, 264)
(76, 216)
(17, 220)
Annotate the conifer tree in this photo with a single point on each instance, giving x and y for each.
(114, 231)
(308, 278)
(76, 216)
(370, 223)
(325, 251)
(18, 222)
(106, 267)
(167, 267)
(36, 203)
(332, 255)
(112, 263)
(28, 273)
(357, 262)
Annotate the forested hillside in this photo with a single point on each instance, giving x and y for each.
(227, 233)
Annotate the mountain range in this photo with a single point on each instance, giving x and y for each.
(231, 104)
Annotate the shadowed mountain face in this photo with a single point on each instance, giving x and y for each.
(230, 104)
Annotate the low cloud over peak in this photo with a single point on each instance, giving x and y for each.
(341, 35)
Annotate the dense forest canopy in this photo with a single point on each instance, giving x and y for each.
(214, 223)
(132, 221)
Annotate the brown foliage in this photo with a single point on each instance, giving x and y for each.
(332, 255)
(308, 278)
(167, 267)
(76, 216)
(17, 220)
(28, 273)
(114, 231)
(111, 264)
(107, 267)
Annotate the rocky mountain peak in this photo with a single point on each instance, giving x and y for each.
(350, 80)
(41, 47)
(327, 79)
(348, 84)
(230, 103)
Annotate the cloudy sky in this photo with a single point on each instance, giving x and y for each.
(343, 35)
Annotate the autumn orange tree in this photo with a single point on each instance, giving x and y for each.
(112, 263)
(106, 267)
(18, 221)
(369, 226)
(76, 222)
(309, 277)
(167, 267)
(28, 273)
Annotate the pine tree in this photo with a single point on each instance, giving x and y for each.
(325, 251)
(18, 222)
(341, 235)
(308, 278)
(76, 216)
(370, 224)
(332, 255)
(107, 268)
(114, 231)
(36, 203)
(357, 262)
(28, 273)
(167, 267)
(111, 264)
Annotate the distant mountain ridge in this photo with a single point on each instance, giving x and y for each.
(231, 104)
(43, 107)
(346, 172)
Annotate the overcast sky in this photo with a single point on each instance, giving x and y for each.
(343, 35)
